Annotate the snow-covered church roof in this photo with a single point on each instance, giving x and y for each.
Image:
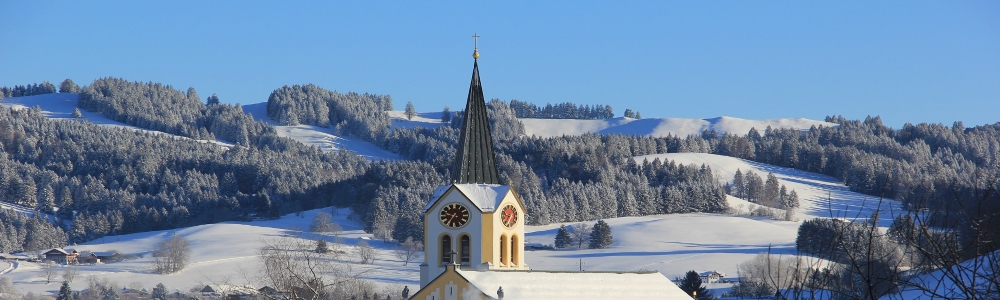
(573, 285)
(486, 197)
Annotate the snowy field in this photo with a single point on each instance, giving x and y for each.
(670, 244)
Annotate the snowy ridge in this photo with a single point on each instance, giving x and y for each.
(659, 127)
(323, 138)
(60, 106)
(821, 196)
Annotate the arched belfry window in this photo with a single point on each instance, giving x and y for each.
(465, 248)
(503, 250)
(513, 250)
(445, 249)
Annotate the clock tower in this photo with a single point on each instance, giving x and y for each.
(475, 221)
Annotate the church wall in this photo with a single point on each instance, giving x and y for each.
(449, 286)
(494, 229)
(433, 230)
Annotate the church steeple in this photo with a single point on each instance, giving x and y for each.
(475, 161)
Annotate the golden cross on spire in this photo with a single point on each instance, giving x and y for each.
(475, 51)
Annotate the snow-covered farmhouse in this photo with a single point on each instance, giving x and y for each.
(62, 256)
(474, 235)
(712, 276)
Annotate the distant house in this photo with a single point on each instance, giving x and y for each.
(108, 256)
(62, 256)
(712, 276)
(87, 258)
(8, 256)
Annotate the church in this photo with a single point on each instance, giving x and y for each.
(474, 234)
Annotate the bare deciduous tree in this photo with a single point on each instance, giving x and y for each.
(7, 286)
(70, 273)
(408, 250)
(292, 266)
(383, 231)
(958, 261)
(365, 252)
(323, 222)
(50, 270)
(580, 234)
(171, 255)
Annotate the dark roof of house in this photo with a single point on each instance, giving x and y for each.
(475, 161)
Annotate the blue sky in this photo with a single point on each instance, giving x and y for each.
(913, 61)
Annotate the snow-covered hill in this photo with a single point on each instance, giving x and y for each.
(819, 195)
(219, 253)
(323, 138)
(61, 106)
(659, 127)
(671, 244)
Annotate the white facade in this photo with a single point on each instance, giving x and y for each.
(491, 244)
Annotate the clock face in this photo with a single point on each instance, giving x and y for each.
(508, 215)
(454, 215)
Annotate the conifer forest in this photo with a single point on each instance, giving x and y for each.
(110, 181)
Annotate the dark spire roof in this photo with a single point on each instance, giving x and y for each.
(475, 161)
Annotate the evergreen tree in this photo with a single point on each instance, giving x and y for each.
(46, 199)
(793, 200)
(446, 115)
(77, 114)
(192, 95)
(65, 292)
(629, 113)
(212, 100)
(739, 185)
(563, 238)
(692, 283)
(754, 187)
(45, 88)
(410, 111)
(321, 246)
(68, 86)
(408, 226)
(600, 236)
(771, 190)
(159, 292)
